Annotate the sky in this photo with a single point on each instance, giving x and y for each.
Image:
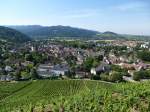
(120, 16)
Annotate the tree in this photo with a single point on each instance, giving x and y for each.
(88, 64)
(143, 74)
(96, 77)
(71, 60)
(70, 74)
(119, 69)
(137, 76)
(18, 75)
(28, 57)
(104, 76)
(144, 55)
(25, 75)
(100, 58)
(95, 63)
(34, 74)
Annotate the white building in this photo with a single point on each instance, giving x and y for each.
(8, 69)
(50, 71)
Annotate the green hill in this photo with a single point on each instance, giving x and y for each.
(110, 36)
(74, 96)
(12, 35)
(42, 32)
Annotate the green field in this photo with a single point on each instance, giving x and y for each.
(74, 96)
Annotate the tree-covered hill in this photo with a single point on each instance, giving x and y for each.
(12, 35)
(110, 36)
(44, 32)
(36, 31)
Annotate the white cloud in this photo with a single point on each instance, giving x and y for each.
(132, 6)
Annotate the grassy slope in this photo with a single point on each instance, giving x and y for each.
(76, 95)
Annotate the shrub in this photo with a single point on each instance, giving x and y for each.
(115, 76)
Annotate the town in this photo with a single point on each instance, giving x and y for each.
(107, 60)
(75, 56)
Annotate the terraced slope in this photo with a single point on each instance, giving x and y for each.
(75, 96)
(41, 91)
(7, 89)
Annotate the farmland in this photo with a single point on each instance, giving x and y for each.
(74, 96)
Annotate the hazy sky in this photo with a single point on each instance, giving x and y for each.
(120, 16)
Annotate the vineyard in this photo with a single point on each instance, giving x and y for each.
(74, 96)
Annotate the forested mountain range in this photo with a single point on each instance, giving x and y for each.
(44, 32)
(8, 34)
(36, 31)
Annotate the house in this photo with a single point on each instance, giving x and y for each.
(8, 69)
(60, 69)
(2, 77)
(141, 66)
(26, 63)
(12, 51)
(103, 67)
(52, 71)
(145, 45)
(44, 70)
(1, 69)
(127, 66)
(6, 78)
(113, 59)
(129, 79)
(106, 60)
(80, 59)
(80, 74)
(123, 59)
(131, 72)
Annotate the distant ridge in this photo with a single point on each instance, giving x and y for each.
(37, 31)
(110, 33)
(12, 35)
(45, 32)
